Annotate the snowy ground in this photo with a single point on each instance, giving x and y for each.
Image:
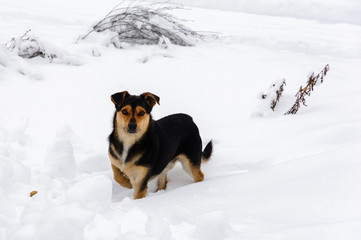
(272, 176)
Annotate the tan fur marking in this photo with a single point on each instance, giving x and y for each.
(138, 109)
(119, 176)
(162, 182)
(122, 122)
(137, 175)
(142, 121)
(150, 98)
(134, 172)
(138, 194)
(194, 171)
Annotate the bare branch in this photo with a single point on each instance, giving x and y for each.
(306, 91)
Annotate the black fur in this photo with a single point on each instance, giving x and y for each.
(207, 152)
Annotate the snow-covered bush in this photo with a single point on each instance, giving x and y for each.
(270, 98)
(29, 46)
(145, 23)
(274, 93)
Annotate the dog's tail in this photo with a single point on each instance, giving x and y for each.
(207, 152)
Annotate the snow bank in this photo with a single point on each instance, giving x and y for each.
(64, 206)
(59, 158)
(334, 11)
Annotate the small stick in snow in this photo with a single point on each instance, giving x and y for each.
(33, 193)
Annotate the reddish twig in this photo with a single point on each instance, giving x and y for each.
(306, 91)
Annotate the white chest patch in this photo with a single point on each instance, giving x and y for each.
(124, 155)
(127, 144)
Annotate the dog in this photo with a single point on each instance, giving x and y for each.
(141, 148)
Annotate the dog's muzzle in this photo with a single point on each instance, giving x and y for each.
(132, 128)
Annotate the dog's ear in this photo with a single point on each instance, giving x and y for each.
(150, 98)
(118, 98)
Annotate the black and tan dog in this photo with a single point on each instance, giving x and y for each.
(141, 148)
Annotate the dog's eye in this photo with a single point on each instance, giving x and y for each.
(141, 113)
(125, 112)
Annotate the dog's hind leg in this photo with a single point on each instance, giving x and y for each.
(162, 180)
(193, 170)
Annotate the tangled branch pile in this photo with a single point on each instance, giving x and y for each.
(141, 23)
(306, 91)
(274, 93)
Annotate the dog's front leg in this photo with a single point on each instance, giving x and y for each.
(140, 189)
(120, 178)
(139, 177)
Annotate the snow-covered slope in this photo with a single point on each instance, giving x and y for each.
(333, 11)
(272, 176)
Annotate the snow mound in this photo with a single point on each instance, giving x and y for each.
(64, 222)
(94, 163)
(213, 225)
(16, 64)
(102, 229)
(93, 193)
(59, 158)
(12, 169)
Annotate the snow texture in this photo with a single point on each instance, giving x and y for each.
(271, 177)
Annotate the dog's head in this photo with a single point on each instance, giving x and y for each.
(133, 112)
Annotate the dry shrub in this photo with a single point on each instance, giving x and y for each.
(146, 23)
(306, 91)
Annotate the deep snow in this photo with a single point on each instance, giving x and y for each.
(272, 176)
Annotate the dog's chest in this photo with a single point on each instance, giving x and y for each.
(124, 155)
(127, 145)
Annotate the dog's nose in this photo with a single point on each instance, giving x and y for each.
(132, 127)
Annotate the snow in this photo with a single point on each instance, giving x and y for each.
(59, 158)
(272, 176)
(333, 11)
